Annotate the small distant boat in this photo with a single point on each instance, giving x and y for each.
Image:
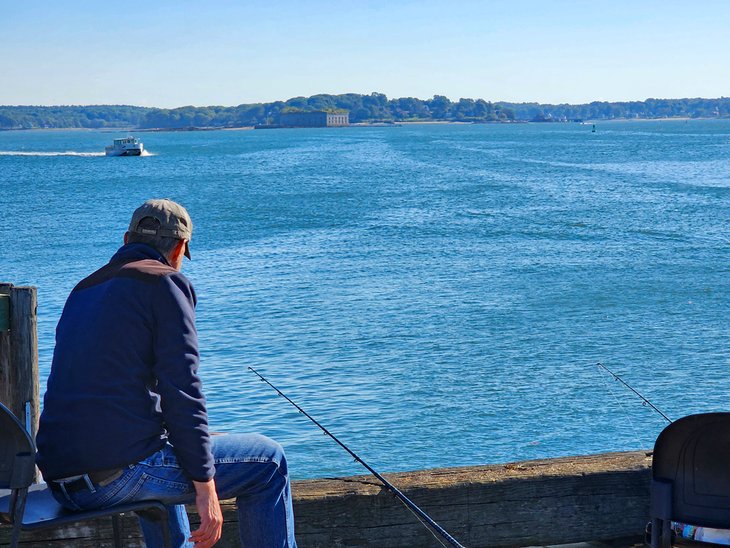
(127, 146)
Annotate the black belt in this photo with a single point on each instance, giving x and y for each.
(100, 478)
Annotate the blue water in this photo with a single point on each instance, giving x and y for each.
(435, 295)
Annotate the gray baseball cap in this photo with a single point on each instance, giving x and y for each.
(174, 221)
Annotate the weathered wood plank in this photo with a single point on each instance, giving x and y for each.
(552, 501)
(19, 381)
(549, 501)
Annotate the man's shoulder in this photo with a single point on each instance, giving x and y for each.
(145, 270)
(171, 281)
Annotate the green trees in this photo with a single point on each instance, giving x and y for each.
(375, 107)
(98, 116)
(440, 107)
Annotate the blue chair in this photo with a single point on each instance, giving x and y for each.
(30, 507)
(691, 475)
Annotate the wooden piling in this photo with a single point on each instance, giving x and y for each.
(19, 383)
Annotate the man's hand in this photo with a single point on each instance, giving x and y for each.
(211, 518)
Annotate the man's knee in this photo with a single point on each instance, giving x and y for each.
(271, 448)
(249, 446)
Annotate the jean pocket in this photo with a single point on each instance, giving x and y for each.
(158, 483)
(128, 492)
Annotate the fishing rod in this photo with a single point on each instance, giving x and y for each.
(435, 527)
(644, 400)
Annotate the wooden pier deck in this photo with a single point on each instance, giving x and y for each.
(533, 503)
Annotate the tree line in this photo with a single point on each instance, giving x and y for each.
(97, 116)
(375, 107)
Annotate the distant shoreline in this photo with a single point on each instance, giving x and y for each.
(370, 109)
(376, 124)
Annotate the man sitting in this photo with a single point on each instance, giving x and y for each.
(124, 416)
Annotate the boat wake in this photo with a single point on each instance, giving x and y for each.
(67, 153)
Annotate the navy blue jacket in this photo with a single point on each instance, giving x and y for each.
(124, 375)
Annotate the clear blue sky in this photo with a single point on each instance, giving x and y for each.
(222, 52)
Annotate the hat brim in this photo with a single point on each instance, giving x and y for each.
(187, 250)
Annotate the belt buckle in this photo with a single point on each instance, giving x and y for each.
(85, 481)
(74, 483)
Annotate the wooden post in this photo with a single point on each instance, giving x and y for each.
(4, 313)
(19, 383)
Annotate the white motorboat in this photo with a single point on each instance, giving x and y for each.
(127, 146)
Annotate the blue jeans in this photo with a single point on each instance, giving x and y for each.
(249, 467)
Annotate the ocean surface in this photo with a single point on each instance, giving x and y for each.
(436, 295)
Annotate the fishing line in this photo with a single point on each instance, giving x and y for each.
(644, 400)
(624, 407)
(424, 518)
(433, 533)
